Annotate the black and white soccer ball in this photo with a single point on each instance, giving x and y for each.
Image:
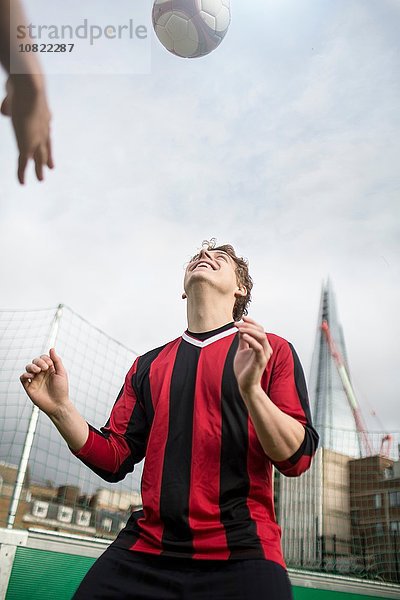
(191, 28)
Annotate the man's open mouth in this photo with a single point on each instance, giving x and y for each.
(204, 264)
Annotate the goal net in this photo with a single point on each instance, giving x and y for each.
(58, 491)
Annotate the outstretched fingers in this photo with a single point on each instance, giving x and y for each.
(50, 160)
(22, 163)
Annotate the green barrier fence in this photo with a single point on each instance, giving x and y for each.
(43, 575)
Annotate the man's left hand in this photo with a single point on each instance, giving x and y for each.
(252, 355)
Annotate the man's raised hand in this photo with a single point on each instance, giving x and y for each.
(252, 355)
(46, 382)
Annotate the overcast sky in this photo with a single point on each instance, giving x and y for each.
(284, 142)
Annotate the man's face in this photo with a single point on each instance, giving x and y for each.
(215, 267)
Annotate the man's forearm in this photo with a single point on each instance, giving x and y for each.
(5, 34)
(12, 60)
(72, 426)
(279, 434)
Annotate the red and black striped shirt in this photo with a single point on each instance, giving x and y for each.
(207, 483)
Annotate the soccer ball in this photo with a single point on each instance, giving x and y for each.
(191, 28)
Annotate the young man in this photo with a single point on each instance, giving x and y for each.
(212, 411)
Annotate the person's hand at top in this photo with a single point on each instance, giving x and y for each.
(26, 100)
(26, 104)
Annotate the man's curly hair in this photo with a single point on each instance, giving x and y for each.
(242, 275)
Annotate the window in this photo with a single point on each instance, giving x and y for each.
(106, 524)
(378, 500)
(388, 473)
(83, 518)
(394, 499)
(40, 509)
(395, 527)
(379, 528)
(65, 514)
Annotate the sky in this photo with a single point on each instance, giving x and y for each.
(284, 142)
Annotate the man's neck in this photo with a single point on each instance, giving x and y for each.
(207, 314)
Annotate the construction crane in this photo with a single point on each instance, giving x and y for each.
(348, 388)
(386, 439)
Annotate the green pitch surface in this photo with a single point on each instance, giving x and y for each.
(44, 575)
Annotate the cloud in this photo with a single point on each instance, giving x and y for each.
(284, 142)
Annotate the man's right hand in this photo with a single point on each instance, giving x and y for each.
(46, 382)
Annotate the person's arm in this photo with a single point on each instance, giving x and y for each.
(26, 101)
(111, 452)
(281, 419)
(46, 382)
(5, 6)
(115, 449)
(11, 16)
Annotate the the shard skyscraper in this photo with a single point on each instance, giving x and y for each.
(332, 414)
(314, 509)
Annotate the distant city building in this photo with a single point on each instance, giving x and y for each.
(119, 500)
(315, 514)
(327, 514)
(375, 515)
(65, 509)
(314, 508)
(330, 404)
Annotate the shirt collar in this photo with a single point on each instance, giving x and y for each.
(208, 337)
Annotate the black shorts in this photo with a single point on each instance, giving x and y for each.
(126, 575)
